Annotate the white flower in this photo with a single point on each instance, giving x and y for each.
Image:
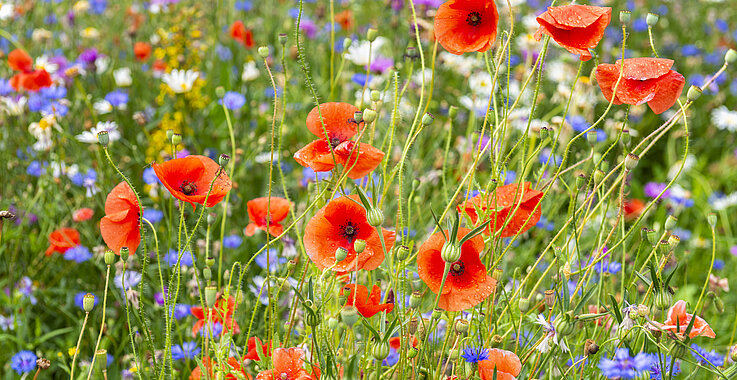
(102, 63)
(123, 77)
(180, 81)
(59, 169)
(7, 11)
(723, 119)
(90, 137)
(358, 52)
(42, 132)
(480, 84)
(724, 202)
(462, 64)
(43, 62)
(250, 71)
(475, 104)
(690, 162)
(14, 107)
(551, 337)
(102, 107)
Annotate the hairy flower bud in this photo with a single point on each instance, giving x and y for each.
(349, 315)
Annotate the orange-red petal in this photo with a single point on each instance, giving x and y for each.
(338, 119)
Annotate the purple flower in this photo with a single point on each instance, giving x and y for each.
(173, 257)
(232, 241)
(89, 56)
(78, 254)
(181, 311)
(23, 361)
(653, 189)
(117, 98)
(711, 357)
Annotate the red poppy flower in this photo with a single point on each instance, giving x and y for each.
(221, 313)
(28, 78)
(344, 19)
(142, 51)
(507, 365)
(467, 283)
(464, 26)
(159, 65)
(498, 206)
(396, 342)
(188, 179)
(286, 361)
(678, 320)
(62, 240)
(233, 369)
(239, 33)
(120, 227)
(575, 27)
(257, 212)
(340, 126)
(253, 343)
(367, 304)
(82, 214)
(339, 224)
(632, 209)
(644, 80)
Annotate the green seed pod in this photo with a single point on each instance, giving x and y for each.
(124, 253)
(625, 17)
(223, 160)
(100, 362)
(677, 349)
(369, 115)
(581, 180)
(88, 302)
(626, 137)
(401, 252)
(358, 116)
(730, 57)
(450, 253)
(543, 133)
(109, 257)
(283, 39)
(599, 176)
(497, 274)
(452, 112)
(631, 161)
(427, 119)
(524, 305)
(333, 323)
(103, 138)
(349, 315)
(415, 299)
(340, 254)
(210, 295)
(176, 139)
(496, 341)
(263, 51)
(652, 237)
(663, 247)
(219, 91)
(673, 241)
(652, 19)
(375, 96)
(210, 261)
(693, 93)
(670, 222)
(380, 350)
(359, 245)
(437, 313)
(591, 137)
(375, 217)
(462, 326)
(412, 352)
(169, 134)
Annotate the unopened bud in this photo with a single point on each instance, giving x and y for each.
(375, 217)
(349, 315)
(401, 252)
(549, 298)
(450, 253)
(109, 257)
(169, 134)
(599, 176)
(712, 220)
(176, 139)
(347, 43)
(371, 34)
(375, 96)
(670, 222)
(693, 93)
(730, 57)
(626, 137)
(333, 323)
(380, 350)
(452, 112)
(462, 326)
(652, 237)
(524, 305)
(497, 274)
(652, 19)
(219, 92)
(263, 51)
(581, 180)
(663, 299)
(88, 302)
(207, 273)
(643, 311)
(415, 299)
(719, 304)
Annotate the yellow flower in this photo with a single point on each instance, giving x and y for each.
(72, 351)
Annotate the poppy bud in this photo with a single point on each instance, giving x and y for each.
(450, 253)
(549, 298)
(412, 352)
(210, 295)
(712, 220)
(454, 354)
(427, 119)
(564, 324)
(263, 51)
(43, 363)
(347, 43)
(375, 217)
(631, 161)
(380, 350)
(497, 274)
(283, 39)
(219, 91)
(524, 305)
(210, 261)
(626, 137)
(312, 318)
(730, 57)
(625, 17)
(415, 299)
(401, 252)
(369, 115)
(109, 257)
(663, 299)
(176, 139)
(340, 254)
(673, 241)
(371, 34)
(103, 138)
(693, 93)
(496, 341)
(580, 180)
(349, 315)
(719, 304)
(375, 96)
(452, 112)
(599, 176)
(359, 245)
(590, 347)
(670, 222)
(223, 160)
(207, 273)
(677, 349)
(169, 134)
(543, 133)
(124, 253)
(88, 302)
(652, 237)
(333, 323)
(462, 326)
(652, 19)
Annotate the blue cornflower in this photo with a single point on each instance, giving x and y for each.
(703, 357)
(132, 278)
(5, 87)
(53, 92)
(690, 50)
(186, 259)
(36, 102)
(274, 261)
(309, 175)
(35, 169)
(623, 366)
(79, 299)
(23, 361)
(55, 108)
(79, 254)
(181, 311)
(149, 176)
(473, 354)
(243, 5)
(117, 98)
(360, 79)
(578, 123)
(719, 264)
(577, 361)
(87, 180)
(657, 372)
(216, 328)
(233, 100)
(545, 224)
(232, 241)
(224, 53)
(26, 288)
(98, 6)
(392, 359)
(187, 350)
(153, 215)
(639, 25)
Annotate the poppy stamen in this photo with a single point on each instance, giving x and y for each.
(334, 142)
(474, 18)
(188, 188)
(457, 268)
(349, 231)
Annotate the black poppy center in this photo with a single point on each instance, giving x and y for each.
(457, 268)
(188, 188)
(334, 142)
(349, 231)
(474, 18)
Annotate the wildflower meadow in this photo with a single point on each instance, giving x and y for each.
(368, 189)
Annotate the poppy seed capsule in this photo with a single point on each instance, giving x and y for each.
(673, 241)
(358, 116)
(730, 57)
(109, 257)
(333, 323)
(124, 253)
(210, 295)
(210, 261)
(88, 302)
(599, 176)
(625, 17)
(693, 93)
(670, 222)
(543, 133)
(283, 39)
(631, 161)
(652, 237)
(176, 139)
(340, 254)
(263, 51)
(359, 245)
(496, 341)
(415, 299)
(371, 34)
(369, 115)
(103, 138)
(375, 217)
(452, 112)
(375, 96)
(169, 134)
(412, 352)
(427, 119)
(380, 350)
(219, 91)
(524, 305)
(401, 252)
(652, 19)
(461, 326)
(223, 160)
(450, 253)
(626, 137)
(349, 315)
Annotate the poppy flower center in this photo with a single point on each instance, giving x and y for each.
(457, 268)
(349, 231)
(334, 142)
(188, 188)
(474, 18)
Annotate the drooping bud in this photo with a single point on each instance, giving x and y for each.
(312, 317)
(599, 176)
(210, 295)
(719, 304)
(652, 19)
(631, 161)
(347, 43)
(359, 245)
(263, 51)
(497, 274)
(109, 257)
(340, 254)
(88, 302)
(349, 315)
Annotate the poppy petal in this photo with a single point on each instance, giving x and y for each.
(338, 118)
(316, 155)
(669, 89)
(361, 161)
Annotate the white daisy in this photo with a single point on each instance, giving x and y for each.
(14, 107)
(480, 84)
(90, 137)
(7, 11)
(250, 71)
(180, 81)
(123, 77)
(102, 107)
(42, 132)
(723, 119)
(358, 52)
